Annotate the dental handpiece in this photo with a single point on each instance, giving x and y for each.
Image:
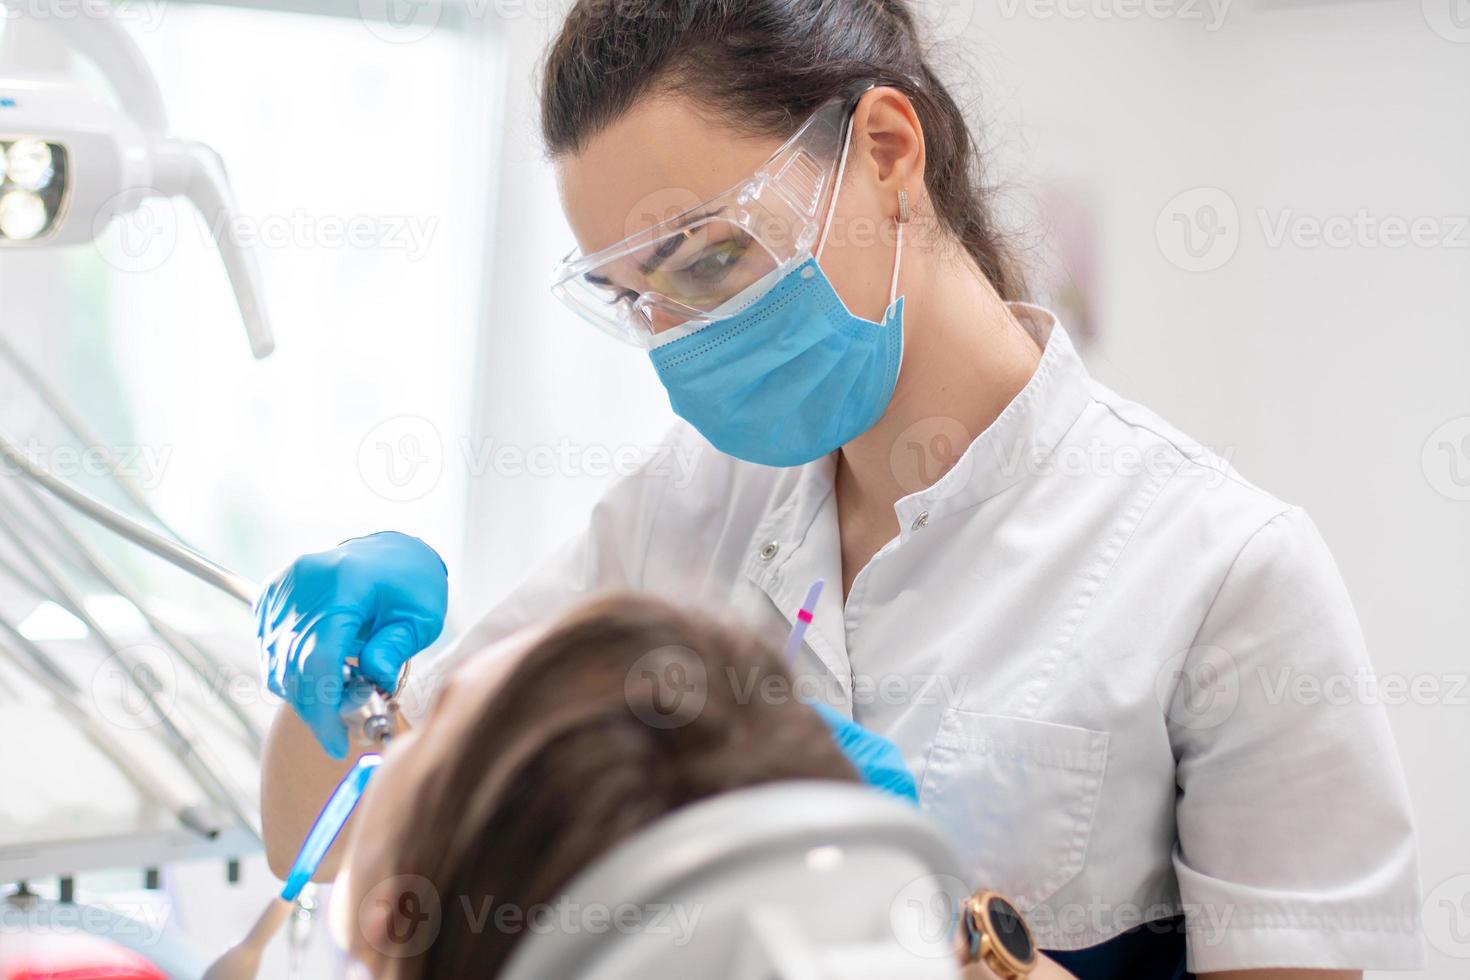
(366, 711)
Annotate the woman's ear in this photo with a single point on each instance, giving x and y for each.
(888, 139)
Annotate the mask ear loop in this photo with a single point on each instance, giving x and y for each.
(903, 216)
(836, 189)
(900, 221)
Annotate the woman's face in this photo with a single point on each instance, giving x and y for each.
(663, 157)
(370, 883)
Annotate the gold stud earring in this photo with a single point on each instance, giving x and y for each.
(903, 206)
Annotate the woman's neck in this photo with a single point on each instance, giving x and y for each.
(965, 359)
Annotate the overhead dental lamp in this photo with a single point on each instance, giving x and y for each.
(71, 162)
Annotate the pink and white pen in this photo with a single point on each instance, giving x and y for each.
(803, 619)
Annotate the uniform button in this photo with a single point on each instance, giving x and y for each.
(769, 551)
(921, 521)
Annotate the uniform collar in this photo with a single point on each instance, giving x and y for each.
(1025, 433)
(1000, 457)
(1009, 450)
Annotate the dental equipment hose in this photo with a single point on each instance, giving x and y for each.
(372, 709)
(193, 657)
(72, 422)
(185, 743)
(361, 700)
(215, 671)
(67, 696)
(180, 556)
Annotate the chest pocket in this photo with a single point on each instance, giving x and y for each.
(1017, 797)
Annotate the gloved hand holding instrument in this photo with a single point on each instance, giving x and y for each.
(336, 629)
(372, 602)
(376, 596)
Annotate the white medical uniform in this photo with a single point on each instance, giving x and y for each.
(1096, 646)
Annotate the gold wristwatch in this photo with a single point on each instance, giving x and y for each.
(997, 936)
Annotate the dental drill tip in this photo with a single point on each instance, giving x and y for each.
(377, 730)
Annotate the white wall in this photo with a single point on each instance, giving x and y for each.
(548, 382)
(1320, 371)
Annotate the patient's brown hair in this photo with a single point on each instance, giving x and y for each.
(625, 712)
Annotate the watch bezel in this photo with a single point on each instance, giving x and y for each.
(990, 947)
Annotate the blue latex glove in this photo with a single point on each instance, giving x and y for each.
(875, 758)
(380, 599)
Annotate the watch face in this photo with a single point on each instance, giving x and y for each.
(1009, 930)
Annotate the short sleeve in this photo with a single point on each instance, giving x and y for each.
(1296, 845)
(607, 554)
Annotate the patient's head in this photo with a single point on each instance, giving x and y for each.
(536, 762)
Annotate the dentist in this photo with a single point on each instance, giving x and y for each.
(1082, 631)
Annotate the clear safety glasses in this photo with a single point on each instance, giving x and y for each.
(669, 279)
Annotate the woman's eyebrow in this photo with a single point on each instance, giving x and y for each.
(661, 254)
(671, 246)
(664, 250)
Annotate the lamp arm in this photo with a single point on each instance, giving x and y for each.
(195, 171)
(102, 39)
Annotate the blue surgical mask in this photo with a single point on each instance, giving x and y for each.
(784, 374)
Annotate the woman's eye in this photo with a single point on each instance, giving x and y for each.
(627, 296)
(715, 263)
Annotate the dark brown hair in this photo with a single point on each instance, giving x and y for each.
(769, 64)
(589, 739)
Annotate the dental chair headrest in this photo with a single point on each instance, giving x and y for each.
(801, 880)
